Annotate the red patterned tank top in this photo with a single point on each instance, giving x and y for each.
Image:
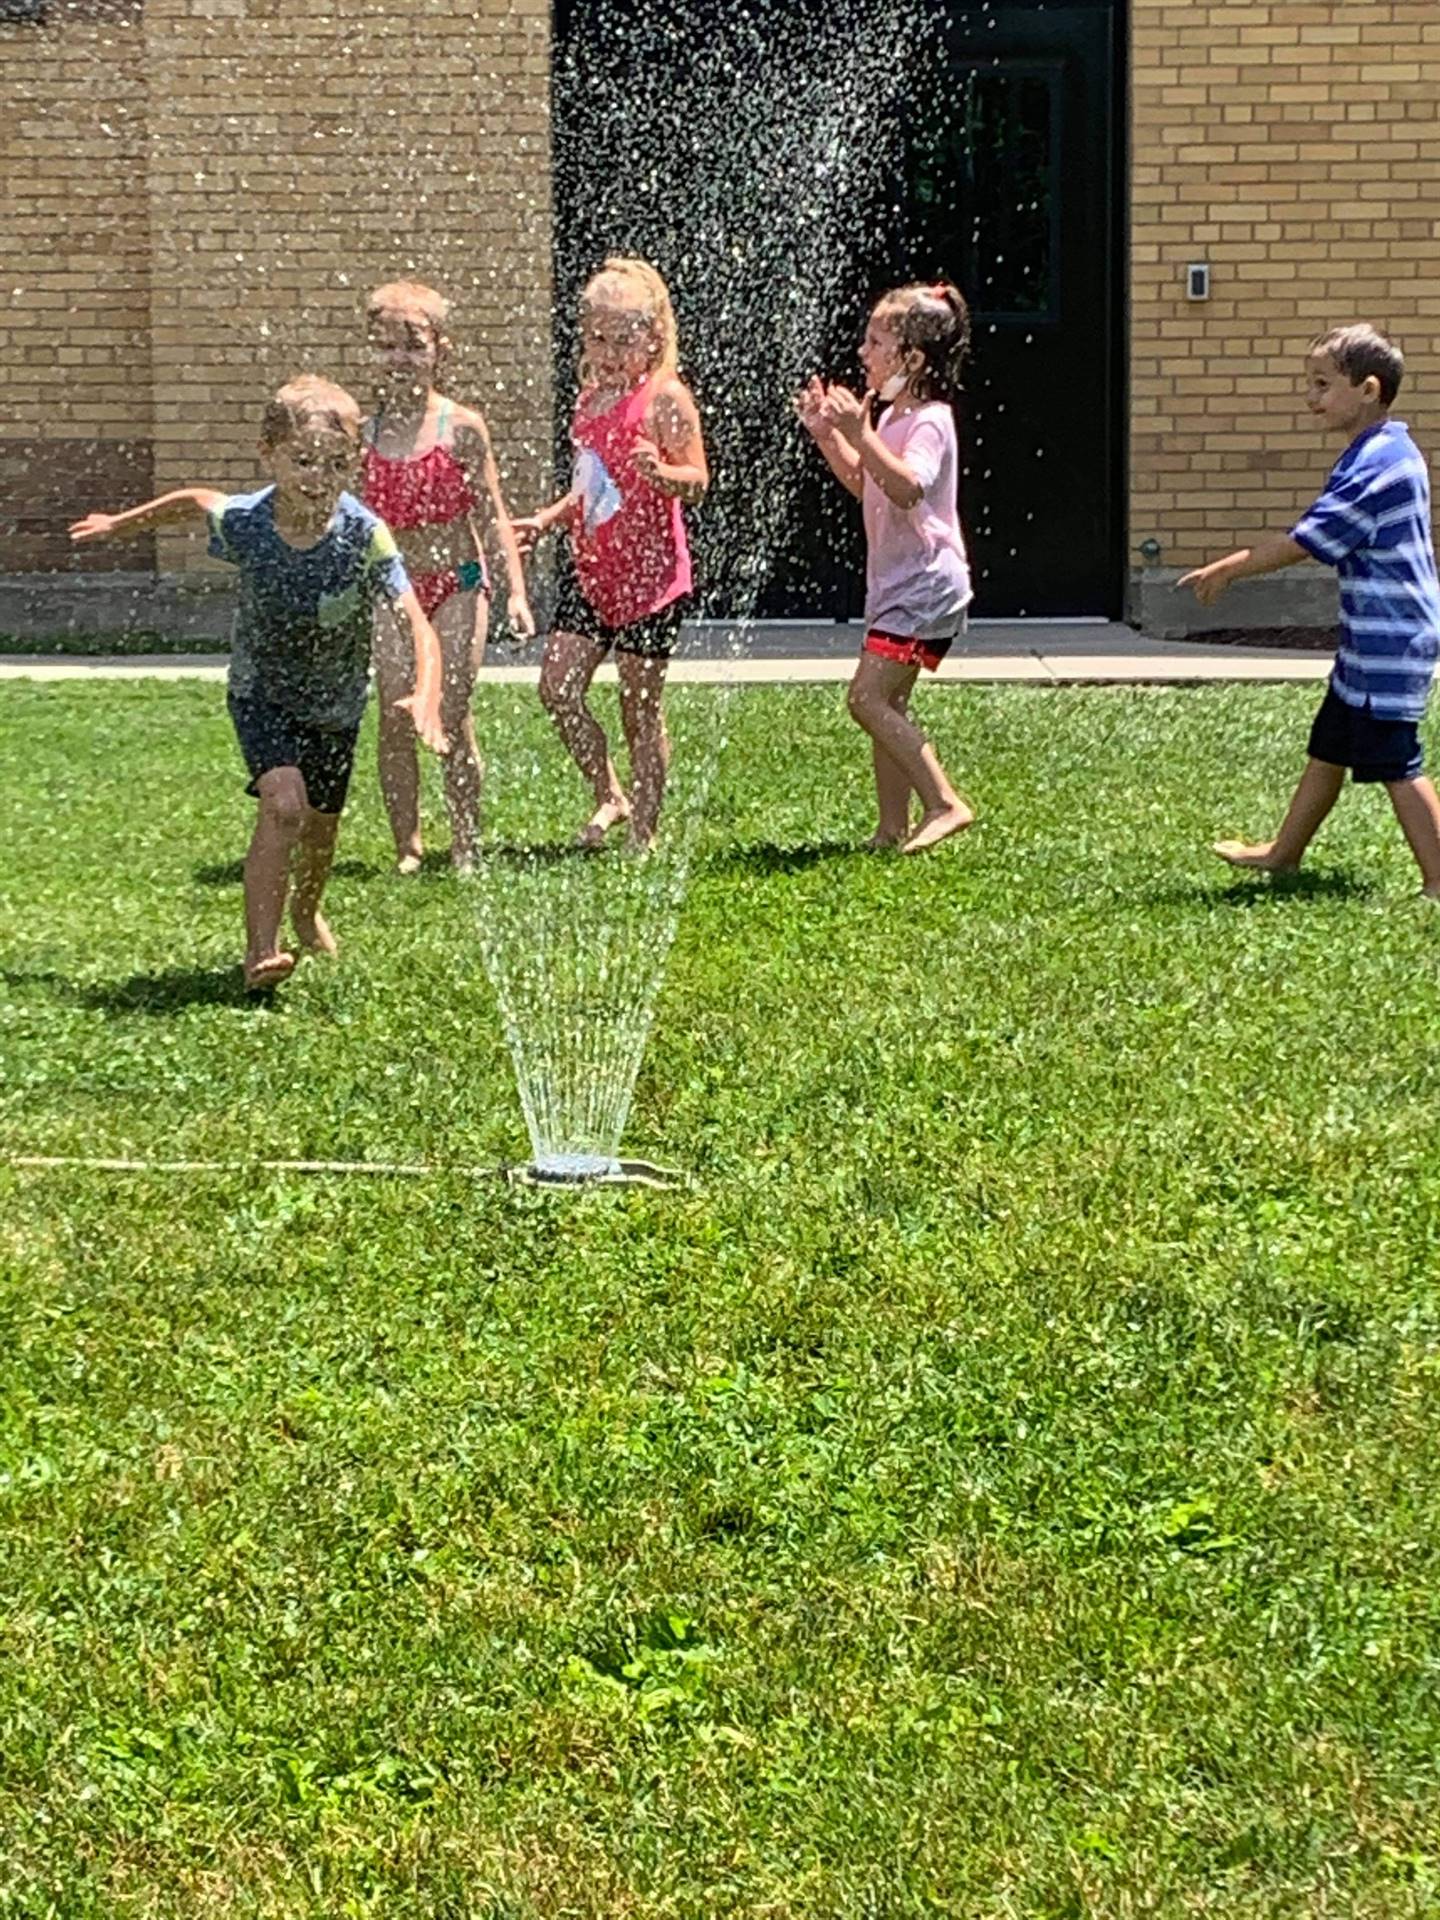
(632, 556)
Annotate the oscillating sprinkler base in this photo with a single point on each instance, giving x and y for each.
(570, 1170)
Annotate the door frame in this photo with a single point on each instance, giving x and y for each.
(1118, 254)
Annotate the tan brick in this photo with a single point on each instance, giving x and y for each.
(1315, 209)
(224, 229)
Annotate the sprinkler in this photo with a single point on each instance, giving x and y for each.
(571, 1170)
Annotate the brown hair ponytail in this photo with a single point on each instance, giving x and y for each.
(934, 320)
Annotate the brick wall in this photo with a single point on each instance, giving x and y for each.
(199, 192)
(75, 293)
(279, 158)
(1291, 145)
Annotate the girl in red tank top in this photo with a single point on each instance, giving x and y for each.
(430, 474)
(639, 459)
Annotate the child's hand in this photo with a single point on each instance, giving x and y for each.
(425, 712)
(529, 532)
(1208, 582)
(517, 612)
(94, 526)
(846, 412)
(647, 459)
(809, 404)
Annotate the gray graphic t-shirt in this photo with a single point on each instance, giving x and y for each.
(307, 614)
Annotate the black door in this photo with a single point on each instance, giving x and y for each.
(1003, 174)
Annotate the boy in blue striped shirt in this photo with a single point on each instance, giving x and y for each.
(1372, 524)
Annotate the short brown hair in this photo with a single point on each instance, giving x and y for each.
(1361, 351)
(309, 401)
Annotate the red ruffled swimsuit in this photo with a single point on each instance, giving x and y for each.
(430, 489)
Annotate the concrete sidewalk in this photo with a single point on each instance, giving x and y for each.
(1040, 653)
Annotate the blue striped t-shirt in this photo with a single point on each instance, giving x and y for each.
(1372, 524)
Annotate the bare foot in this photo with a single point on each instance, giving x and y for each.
(315, 935)
(267, 971)
(408, 863)
(1238, 854)
(610, 813)
(1432, 892)
(938, 826)
(462, 864)
(880, 842)
(637, 846)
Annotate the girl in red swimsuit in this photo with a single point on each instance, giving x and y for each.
(638, 455)
(428, 471)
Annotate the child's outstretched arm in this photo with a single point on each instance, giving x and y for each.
(423, 705)
(530, 529)
(840, 456)
(183, 504)
(477, 455)
(670, 454)
(1270, 555)
(849, 415)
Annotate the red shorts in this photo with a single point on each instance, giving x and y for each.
(909, 651)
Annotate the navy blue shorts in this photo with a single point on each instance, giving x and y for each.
(1372, 748)
(270, 738)
(655, 636)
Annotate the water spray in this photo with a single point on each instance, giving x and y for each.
(740, 160)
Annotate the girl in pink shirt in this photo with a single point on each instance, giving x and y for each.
(625, 581)
(904, 471)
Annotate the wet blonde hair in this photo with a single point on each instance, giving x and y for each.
(309, 401)
(413, 301)
(634, 284)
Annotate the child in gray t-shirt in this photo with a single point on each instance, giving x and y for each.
(312, 562)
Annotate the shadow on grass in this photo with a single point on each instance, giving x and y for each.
(230, 873)
(1261, 890)
(434, 864)
(169, 991)
(544, 853)
(765, 857)
(174, 989)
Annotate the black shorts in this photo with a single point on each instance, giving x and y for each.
(270, 738)
(1372, 748)
(655, 636)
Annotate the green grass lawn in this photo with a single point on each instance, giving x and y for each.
(1003, 1482)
